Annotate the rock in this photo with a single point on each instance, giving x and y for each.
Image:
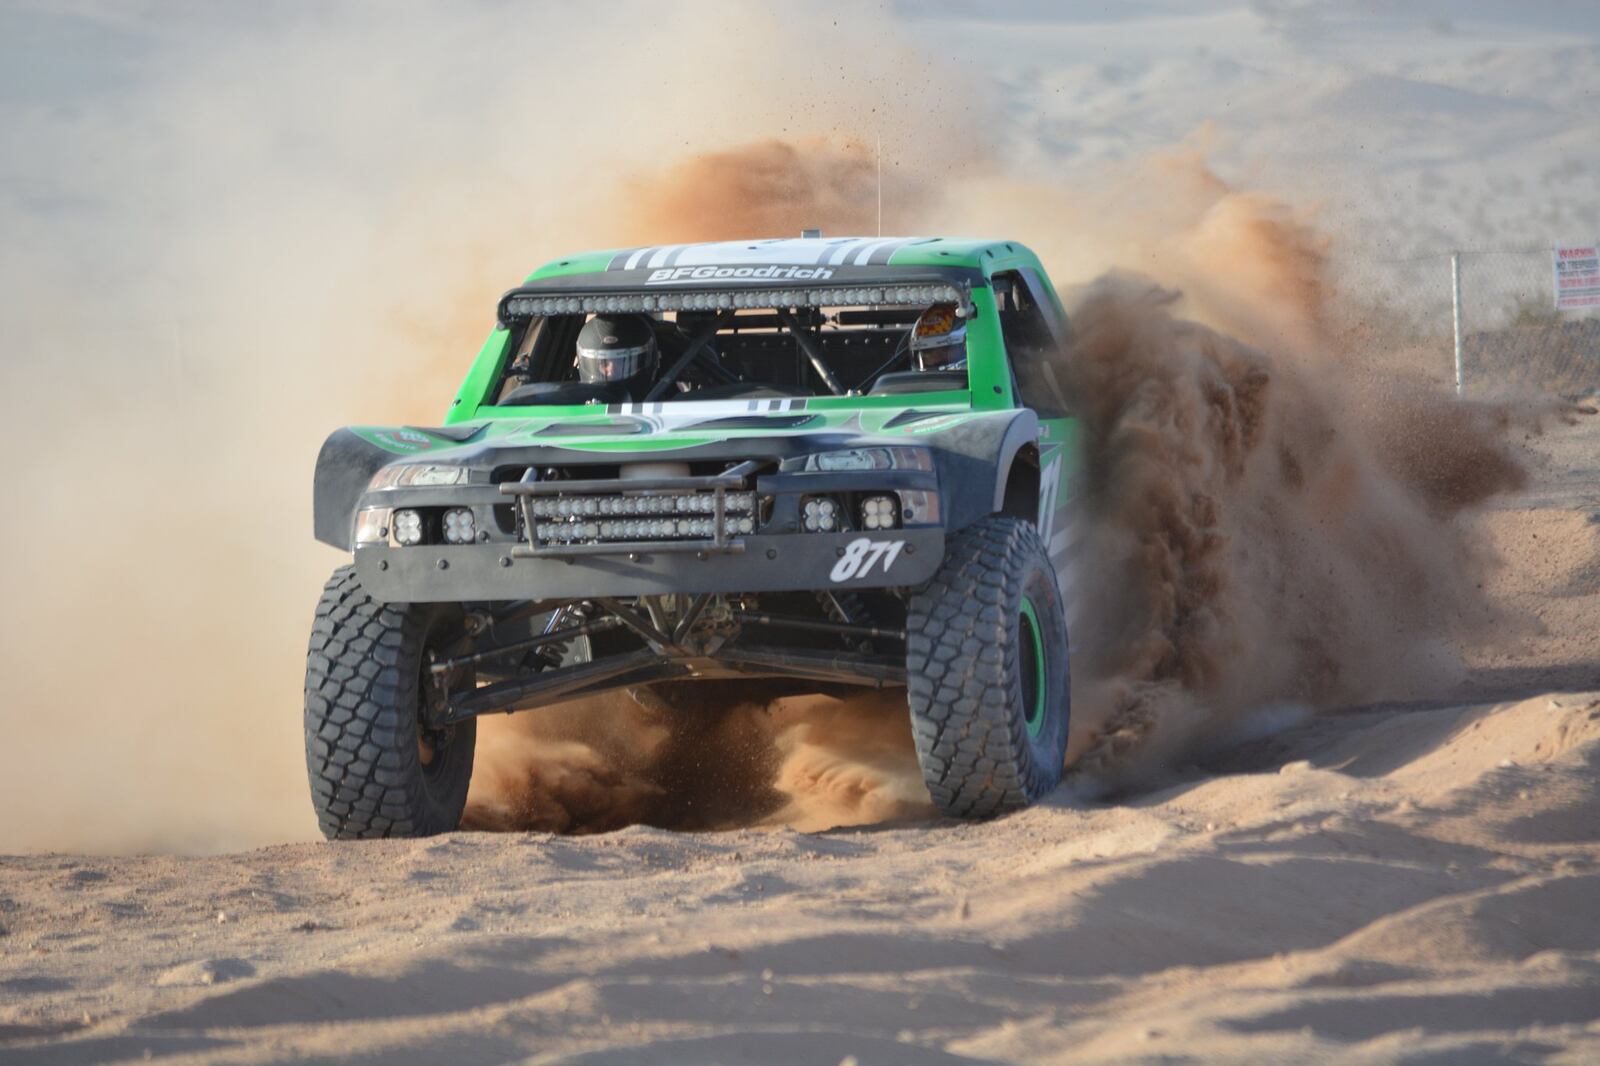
(206, 972)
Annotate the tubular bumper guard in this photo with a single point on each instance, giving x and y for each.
(527, 490)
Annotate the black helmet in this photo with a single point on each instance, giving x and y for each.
(617, 350)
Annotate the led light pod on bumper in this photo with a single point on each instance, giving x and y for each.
(460, 527)
(820, 514)
(880, 511)
(407, 527)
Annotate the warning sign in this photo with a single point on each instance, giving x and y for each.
(1578, 277)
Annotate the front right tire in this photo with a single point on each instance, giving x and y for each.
(987, 672)
(375, 768)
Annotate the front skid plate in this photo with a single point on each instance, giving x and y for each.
(795, 562)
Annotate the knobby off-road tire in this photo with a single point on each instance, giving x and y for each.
(374, 771)
(987, 672)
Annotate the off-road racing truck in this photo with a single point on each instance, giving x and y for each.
(791, 498)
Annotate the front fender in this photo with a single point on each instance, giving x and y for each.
(345, 465)
(349, 458)
(974, 459)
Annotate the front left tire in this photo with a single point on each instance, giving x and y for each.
(375, 768)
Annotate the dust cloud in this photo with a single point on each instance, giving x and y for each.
(704, 756)
(1268, 523)
(774, 187)
(1260, 531)
(238, 241)
(1276, 501)
(225, 239)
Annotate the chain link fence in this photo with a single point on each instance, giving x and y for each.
(1484, 318)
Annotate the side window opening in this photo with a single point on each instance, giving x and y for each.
(544, 353)
(1036, 352)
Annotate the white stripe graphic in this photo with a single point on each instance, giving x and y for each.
(660, 258)
(678, 410)
(866, 253)
(633, 260)
(843, 252)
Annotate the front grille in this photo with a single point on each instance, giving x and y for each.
(606, 518)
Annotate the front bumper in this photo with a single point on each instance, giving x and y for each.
(786, 562)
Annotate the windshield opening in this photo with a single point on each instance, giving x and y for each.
(743, 354)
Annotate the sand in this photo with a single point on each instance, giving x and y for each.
(1408, 882)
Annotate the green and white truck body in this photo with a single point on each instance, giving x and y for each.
(789, 502)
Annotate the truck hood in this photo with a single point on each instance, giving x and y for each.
(970, 449)
(663, 427)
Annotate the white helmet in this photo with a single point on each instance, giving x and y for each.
(939, 339)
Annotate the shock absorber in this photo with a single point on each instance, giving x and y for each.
(564, 617)
(847, 608)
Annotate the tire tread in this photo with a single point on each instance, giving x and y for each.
(361, 759)
(971, 743)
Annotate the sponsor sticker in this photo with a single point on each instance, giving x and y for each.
(399, 440)
(771, 272)
(862, 555)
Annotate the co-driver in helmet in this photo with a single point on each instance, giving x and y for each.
(619, 354)
(939, 339)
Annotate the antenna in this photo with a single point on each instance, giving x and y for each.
(880, 183)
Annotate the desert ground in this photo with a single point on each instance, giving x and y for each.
(1411, 882)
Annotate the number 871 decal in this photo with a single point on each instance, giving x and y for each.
(861, 555)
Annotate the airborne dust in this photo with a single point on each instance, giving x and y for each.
(1267, 525)
(249, 242)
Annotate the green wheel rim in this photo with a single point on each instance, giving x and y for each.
(1031, 665)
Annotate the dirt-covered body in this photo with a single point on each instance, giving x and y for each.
(971, 454)
(782, 504)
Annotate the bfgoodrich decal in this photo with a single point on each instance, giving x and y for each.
(667, 275)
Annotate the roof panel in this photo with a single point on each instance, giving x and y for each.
(803, 251)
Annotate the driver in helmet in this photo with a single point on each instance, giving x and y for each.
(618, 354)
(939, 339)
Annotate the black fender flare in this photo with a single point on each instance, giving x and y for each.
(348, 460)
(345, 466)
(975, 460)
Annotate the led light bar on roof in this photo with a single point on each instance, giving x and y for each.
(725, 299)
